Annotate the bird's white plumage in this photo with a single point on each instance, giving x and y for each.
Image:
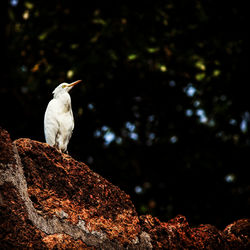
(58, 118)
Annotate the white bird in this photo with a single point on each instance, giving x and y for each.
(58, 118)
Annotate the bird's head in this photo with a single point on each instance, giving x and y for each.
(65, 87)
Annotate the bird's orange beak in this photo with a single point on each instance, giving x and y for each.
(74, 83)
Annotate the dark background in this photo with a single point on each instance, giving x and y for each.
(163, 111)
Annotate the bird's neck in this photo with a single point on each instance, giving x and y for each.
(64, 99)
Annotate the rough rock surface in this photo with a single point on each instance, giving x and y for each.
(48, 200)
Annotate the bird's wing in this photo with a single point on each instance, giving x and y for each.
(51, 124)
(73, 123)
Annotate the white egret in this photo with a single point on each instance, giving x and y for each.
(58, 118)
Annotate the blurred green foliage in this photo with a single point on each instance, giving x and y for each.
(164, 109)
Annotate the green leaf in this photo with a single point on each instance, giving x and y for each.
(132, 57)
(200, 65)
(153, 50)
(29, 5)
(200, 76)
(216, 72)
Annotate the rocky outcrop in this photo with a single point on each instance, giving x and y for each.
(51, 201)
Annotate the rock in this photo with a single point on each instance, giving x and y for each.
(51, 201)
(177, 234)
(237, 234)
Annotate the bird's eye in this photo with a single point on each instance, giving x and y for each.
(64, 86)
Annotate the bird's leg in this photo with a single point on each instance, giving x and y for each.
(57, 148)
(65, 151)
